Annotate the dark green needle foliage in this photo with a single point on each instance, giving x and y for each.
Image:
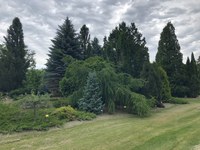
(65, 43)
(126, 48)
(192, 77)
(170, 58)
(84, 38)
(15, 58)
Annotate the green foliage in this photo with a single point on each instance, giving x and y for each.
(84, 38)
(68, 113)
(75, 97)
(153, 84)
(65, 43)
(111, 107)
(75, 77)
(81, 115)
(152, 102)
(15, 58)
(1, 96)
(126, 48)
(35, 81)
(165, 87)
(169, 58)
(35, 102)
(117, 88)
(174, 100)
(18, 92)
(60, 102)
(92, 95)
(95, 48)
(139, 105)
(13, 118)
(193, 80)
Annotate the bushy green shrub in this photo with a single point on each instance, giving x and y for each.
(68, 113)
(138, 105)
(75, 97)
(152, 102)
(81, 115)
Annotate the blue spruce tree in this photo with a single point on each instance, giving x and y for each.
(92, 96)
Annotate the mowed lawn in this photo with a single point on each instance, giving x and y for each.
(176, 127)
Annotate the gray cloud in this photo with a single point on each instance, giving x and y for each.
(40, 20)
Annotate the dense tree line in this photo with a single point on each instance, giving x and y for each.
(110, 76)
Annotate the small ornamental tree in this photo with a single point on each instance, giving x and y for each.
(92, 96)
(35, 102)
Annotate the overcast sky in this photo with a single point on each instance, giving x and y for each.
(40, 19)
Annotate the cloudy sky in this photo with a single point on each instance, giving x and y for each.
(40, 19)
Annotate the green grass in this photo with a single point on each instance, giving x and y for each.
(176, 127)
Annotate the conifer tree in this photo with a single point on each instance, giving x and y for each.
(65, 43)
(96, 48)
(15, 58)
(92, 97)
(170, 59)
(126, 48)
(85, 41)
(153, 87)
(192, 77)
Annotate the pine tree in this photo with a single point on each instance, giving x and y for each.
(169, 58)
(126, 48)
(192, 77)
(92, 97)
(96, 48)
(65, 43)
(198, 67)
(15, 59)
(85, 41)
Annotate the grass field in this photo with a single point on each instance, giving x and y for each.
(176, 127)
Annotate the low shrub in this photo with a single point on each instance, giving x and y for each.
(17, 92)
(138, 105)
(15, 119)
(178, 101)
(60, 102)
(81, 115)
(152, 102)
(68, 113)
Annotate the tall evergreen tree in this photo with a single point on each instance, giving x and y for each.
(15, 58)
(192, 77)
(65, 43)
(96, 48)
(198, 67)
(170, 59)
(85, 41)
(126, 48)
